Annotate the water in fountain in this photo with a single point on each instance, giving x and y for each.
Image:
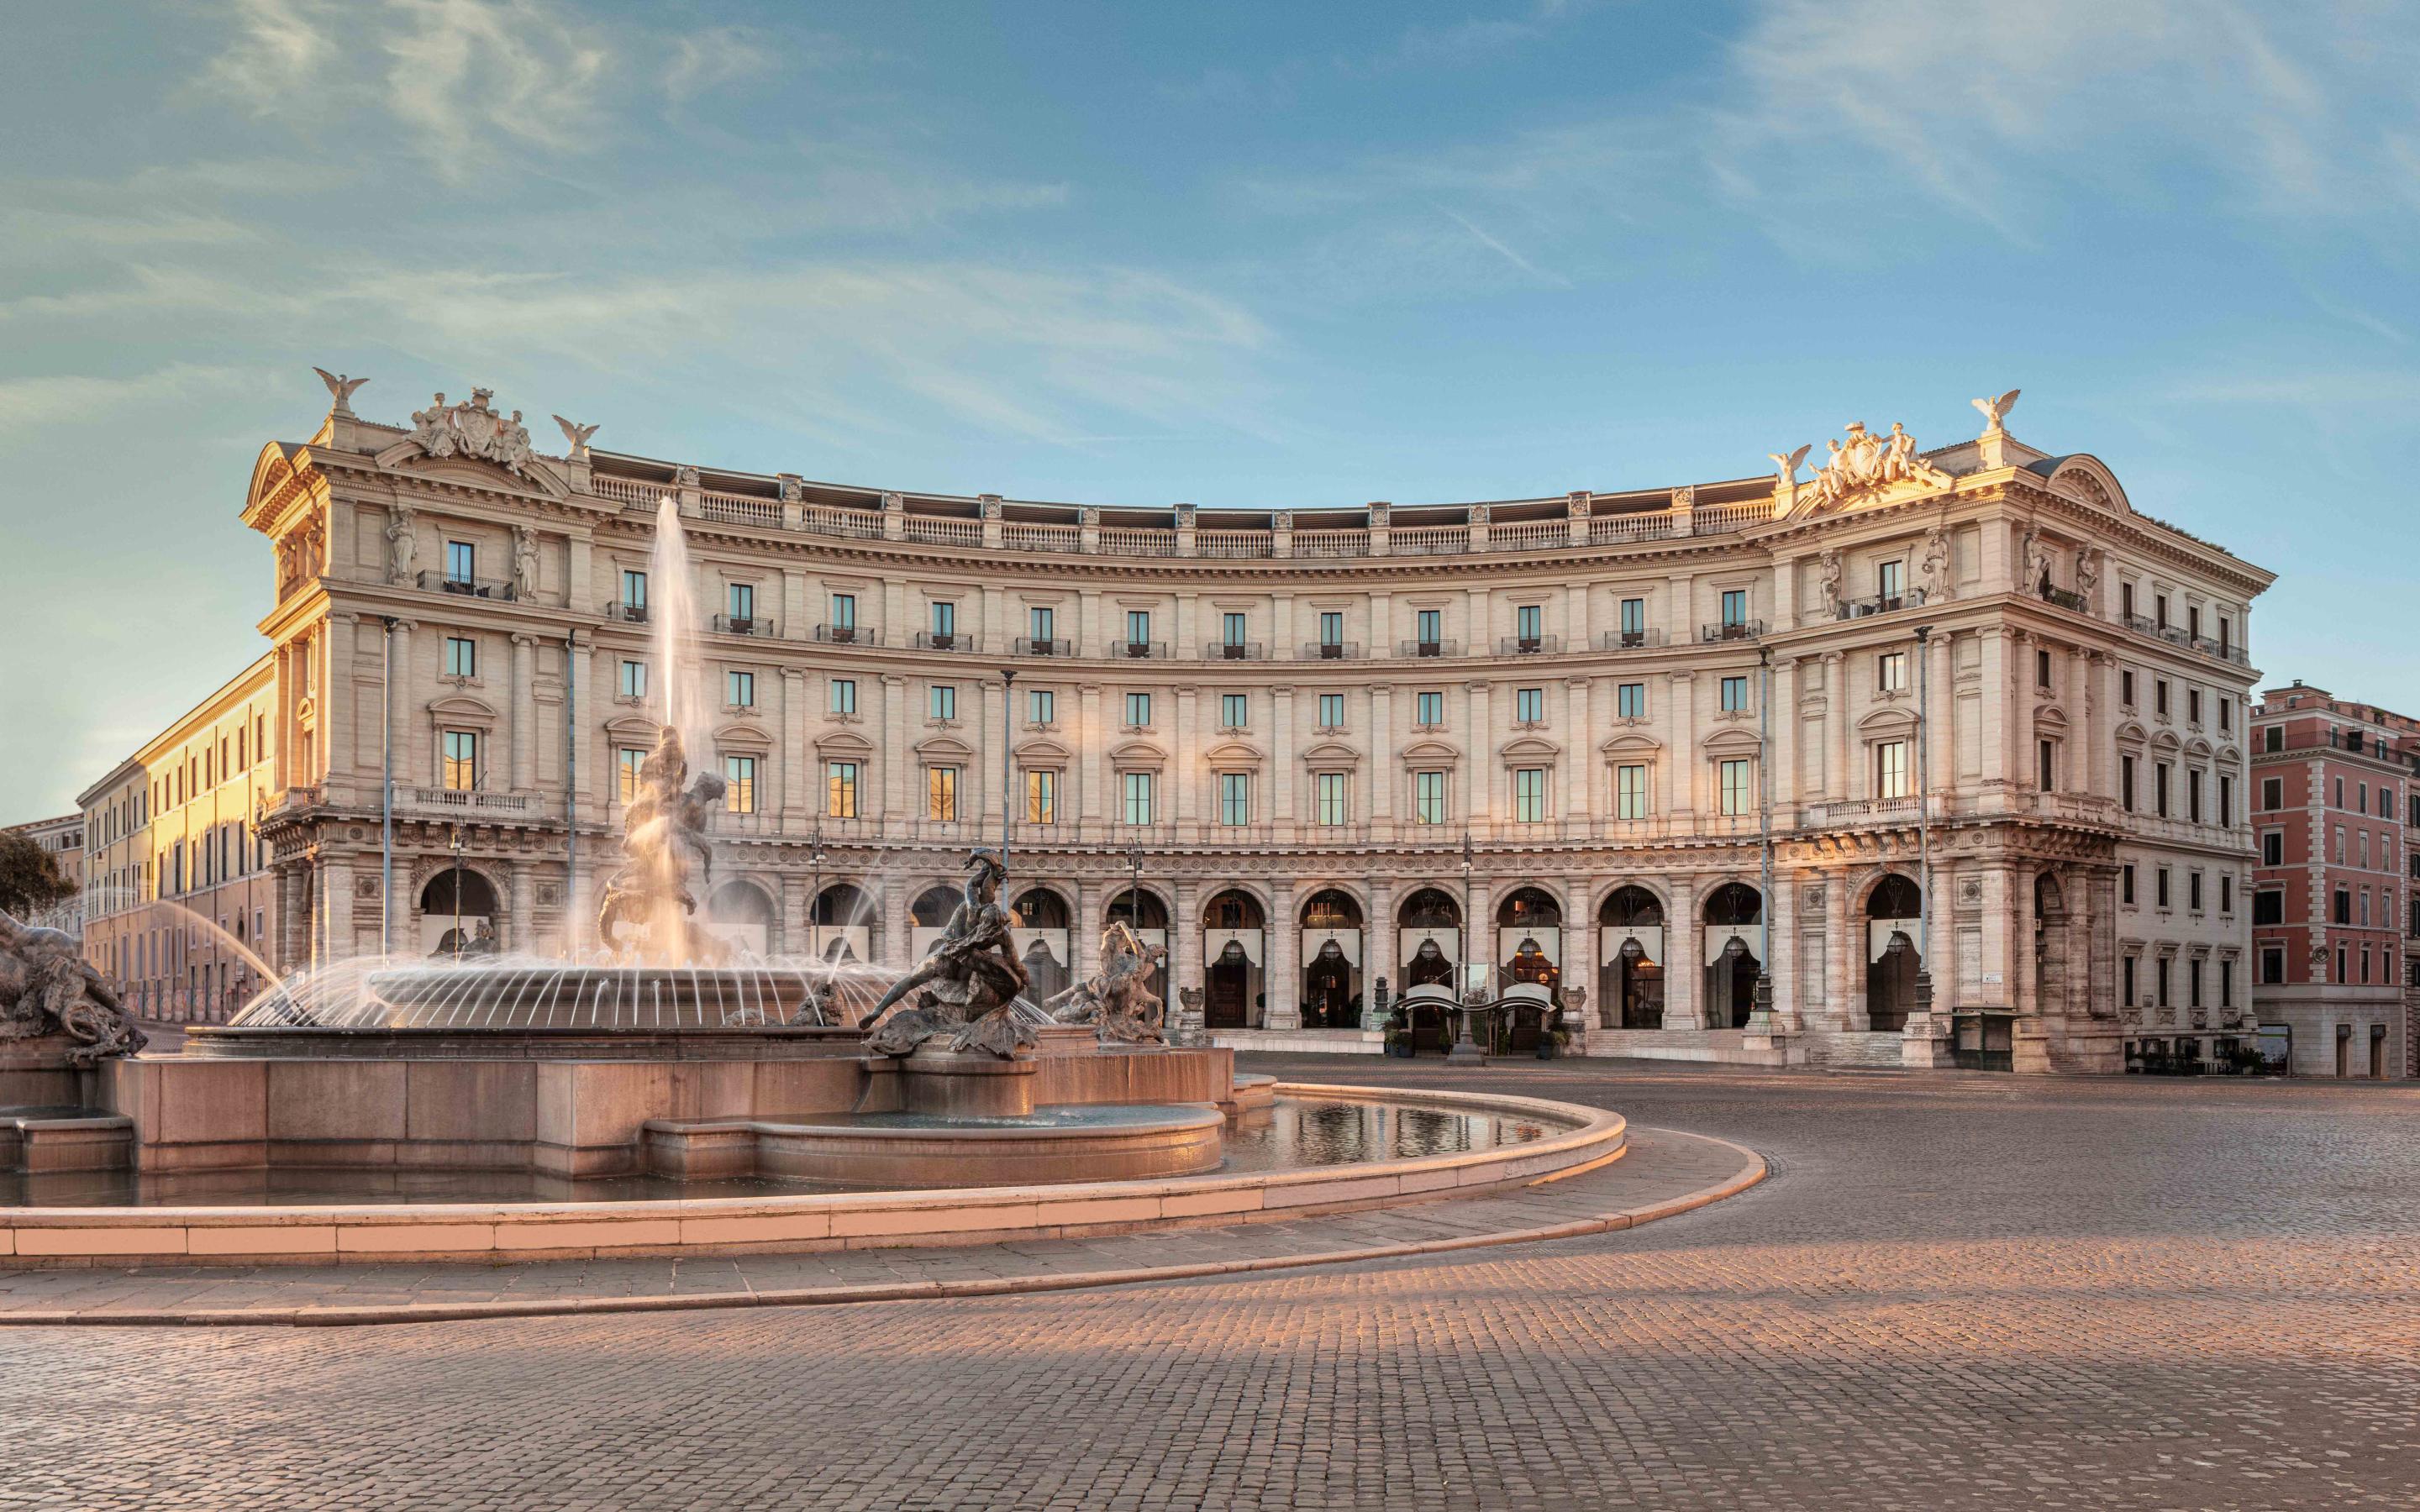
(674, 591)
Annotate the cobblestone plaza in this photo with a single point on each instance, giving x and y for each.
(1963, 1290)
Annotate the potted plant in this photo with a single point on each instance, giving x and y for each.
(1399, 1037)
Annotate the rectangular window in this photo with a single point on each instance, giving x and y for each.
(2160, 974)
(1430, 629)
(2160, 788)
(1529, 705)
(2046, 764)
(945, 621)
(2342, 913)
(2126, 783)
(1529, 795)
(1040, 797)
(2193, 983)
(633, 684)
(1041, 706)
(2160, 697)
(840, 790)
(1630, 792)
(2042, 669)
(2161, 892)
(1634, 620)
(2272, 848)
(2226, 971)
(941, 702)
(461, 561)
(1890, 582)
(461, 656)
(2192, 705)
(1738, 795)
(1734, 607)
(1331, 711)
(1334, 804)
(2126, 992)
(2273, 738)
(1890, 770)
(2225, 713)
(1138, 795)
(1630, 700)
(942, 793)
(1429, 709)
(2272, 793)
(2126, 687)
(2193, 890)
(1234, 797)
(626, 761)
(1331, 629)
(740, 601)
(1233, 630)
(843, 612)
(740, 777)
(2126, 883)
(634, 594)
(1735, 694)
(2193, 796)
(1428, 797)
(2273, 965)
(740, 689)
(2339, 803)
(1138, 711)
(2226, 816)
(2225, 892)
(461, 750)
(1890, 672)
(1138, 626)
(1529, 625)
(843, 695)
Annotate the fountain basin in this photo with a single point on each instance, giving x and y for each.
(1048, 1146)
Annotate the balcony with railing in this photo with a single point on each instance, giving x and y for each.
(1628, 639)
(1233, 544)
(739, 509)
(1021, 535)
(1529, 534)
(1234, 651)
(946, 641)
(1617, 529)
(627, 613)
(632, 493)
(1429, 540)
(1139, 649)
(468, 804)
(834, 519)
(748, 624)
(942, 530)
(1032, 645)
(2065, 599)
(1858, 608)
(2222, 650)
(1529, 646)
(1331, 651)
(1350, 542)
(1731, 631)
(439, 583)
(1133, 541)
(1439, 647)
(846, 635)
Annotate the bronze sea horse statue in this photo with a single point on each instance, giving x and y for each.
(968, 986)
(47, 988)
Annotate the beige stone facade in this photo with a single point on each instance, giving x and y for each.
(1298, 717)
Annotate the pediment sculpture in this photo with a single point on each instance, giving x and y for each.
(473, 428)
(1858, 462)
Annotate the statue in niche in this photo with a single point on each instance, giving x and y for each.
(2087, 573)
(524, 562)
(1933, 572)
(663, 832)
(1119, 1002)
(400, 542)
(47, 988)
(968, 986)
(2036, 557)
(1827, 583)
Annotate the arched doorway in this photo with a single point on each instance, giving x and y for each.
(1734, 916)
(1044, 943)
(840, 925)
(1147, 913)
(1529, 942)
(1331, 960)
(1892, 958)
(450, 922)
(1629, 981)
(1428, 934)
(927, 917)
(739, 915)
(1233, 944)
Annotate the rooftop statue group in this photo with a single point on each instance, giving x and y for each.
(46, 988)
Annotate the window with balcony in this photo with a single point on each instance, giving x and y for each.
(634, 594)
(740, 689)
(1041, 706)
(944, 617)
(1734, 608)
(1890, 583)
(2192, 620)
(843, 695)
(1138, 626)
(1891, 770)
(1529, 795)
(1331, 711)
(1235, 710)
(1331, 633)
(1040, 797)
(1634, 622)
(1529, 705)
(1333, 799)
(462, 563)
(461, 656)
(628, 760)
(1630, 700)
(740, 604)
(458, 751)
(840, 790)
(844, 614)
(1428, 797)
(1429, 632)
(2273, 738)
(1138, 711)
(1630, 791)
(1234, 797)
(1737, 792)
(1136, 790)
(739, 784)
(941, 702)
(1528, 626)
(2160, 610)
(942, 793)
(1735, 695)
(1890, 672)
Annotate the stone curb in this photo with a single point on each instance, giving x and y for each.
(1752, 1170)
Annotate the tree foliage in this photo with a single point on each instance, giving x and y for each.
(29, 879)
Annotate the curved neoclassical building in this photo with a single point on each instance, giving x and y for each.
(1558, 741)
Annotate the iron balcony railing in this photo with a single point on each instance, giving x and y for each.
(751, 624)
(946, 641)
(1628, 639)
(627, 612)
(1139, 649)
(1858, 608)
(1234, 651)
(1732, 630)
(2064, 598)
(1331, 651)
(1031, 645)
(1429, 648)
(437, 582)
(1529, 646)
(846, 635)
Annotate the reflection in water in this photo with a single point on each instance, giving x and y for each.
(1294, 1133)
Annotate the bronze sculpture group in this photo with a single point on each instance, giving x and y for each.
(46, 988)
(663, 831)
(969, 987)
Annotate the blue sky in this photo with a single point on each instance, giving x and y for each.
(1254, 255)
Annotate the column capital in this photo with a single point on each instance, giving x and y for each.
(522, 638)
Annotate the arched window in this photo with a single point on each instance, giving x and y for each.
(1231, 909)
(1631, 907)
(1530, 908)
(1041, 908)
(1732, 903)
(1330, 908)
(934, 905)
(1430, 908)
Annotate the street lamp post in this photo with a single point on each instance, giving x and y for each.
(815, 899)
(1760, 1019)
(454, 839)
(1924, 835)
(1007, 763)
(1465, 1048)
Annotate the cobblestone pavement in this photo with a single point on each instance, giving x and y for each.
(1661, 1168)
(1955, 1291)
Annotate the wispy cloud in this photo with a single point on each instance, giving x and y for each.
(275, 43)
(716, 58)
(64, 400)
(465, 69)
